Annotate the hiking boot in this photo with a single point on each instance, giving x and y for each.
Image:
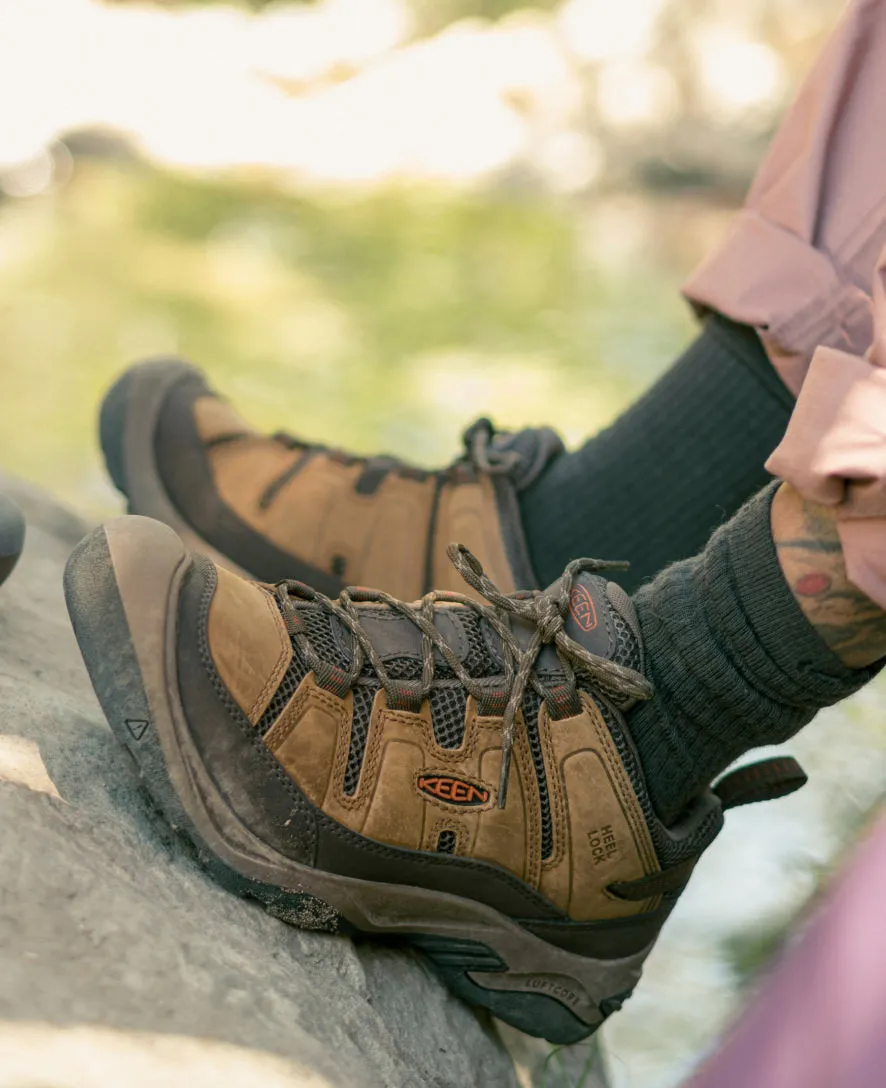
(275, 507)
(454, 774)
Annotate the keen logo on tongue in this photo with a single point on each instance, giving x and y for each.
(581, 608)
(588, 621)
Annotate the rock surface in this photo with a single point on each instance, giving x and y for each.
(121, 963)
(106, 923)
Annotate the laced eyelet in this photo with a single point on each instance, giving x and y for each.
(495, 696)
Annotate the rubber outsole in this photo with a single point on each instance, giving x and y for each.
(121, 586)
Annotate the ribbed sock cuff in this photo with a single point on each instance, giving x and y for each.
(735, 663)
(653, 487)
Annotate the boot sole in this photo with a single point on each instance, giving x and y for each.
(127, 424)
(121, 586)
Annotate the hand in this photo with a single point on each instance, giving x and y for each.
(811, 558)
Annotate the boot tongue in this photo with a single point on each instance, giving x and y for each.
(601, 619)
(588, 620)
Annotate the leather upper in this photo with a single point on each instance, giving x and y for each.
(413, 794)
(280, 509)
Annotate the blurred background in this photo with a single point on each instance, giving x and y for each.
(407, 213)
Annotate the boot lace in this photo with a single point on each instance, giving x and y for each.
(544, 611)
(479, 454)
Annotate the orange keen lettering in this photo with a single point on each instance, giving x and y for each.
(454, 790)
(581, 605)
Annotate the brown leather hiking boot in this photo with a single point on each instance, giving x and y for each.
(455, 774)
(275, 507)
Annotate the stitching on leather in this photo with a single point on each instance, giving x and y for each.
(526, 771)
(290, 716)
(331, 827)
(467, 776)
(407, 718)
(626, 800)
(618, 777)
(531, 809)
(636, 822)
(559, 829)
(437, 826)
(240, 720)
(461, 761)
(308, 696)
(273, 681)
(455, 756)
(352, 802)
(513, 882)
(401, 717)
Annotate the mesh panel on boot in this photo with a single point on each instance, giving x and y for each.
(627, 650)
(293, 676)
(448, 700)
(479, 661)
(398, 668)
(446, 842)
(319, 631)
(363, 696)
(448, 706)
(531, 706)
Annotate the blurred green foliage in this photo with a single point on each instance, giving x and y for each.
(431, 15)
(419, 269)
(255, 5)
(382, 321)
(428, 16)
(748, 951)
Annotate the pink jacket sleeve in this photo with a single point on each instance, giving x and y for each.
(799, 266)
(834, 450)
(806, 265)
(820, 1018)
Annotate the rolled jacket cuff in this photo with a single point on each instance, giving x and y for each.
(834, 453)
(767, 277)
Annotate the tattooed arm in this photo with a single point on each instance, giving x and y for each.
(811, 559)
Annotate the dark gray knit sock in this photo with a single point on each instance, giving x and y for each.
(735, 663)
(653, 487)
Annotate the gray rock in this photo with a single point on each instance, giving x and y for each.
(120, 962)
(12, 535)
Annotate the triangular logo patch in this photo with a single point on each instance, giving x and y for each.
(136, 727)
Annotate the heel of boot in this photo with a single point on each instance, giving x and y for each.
(535, 1004)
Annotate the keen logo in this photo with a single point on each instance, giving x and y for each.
(454, 791)
(581, 605)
